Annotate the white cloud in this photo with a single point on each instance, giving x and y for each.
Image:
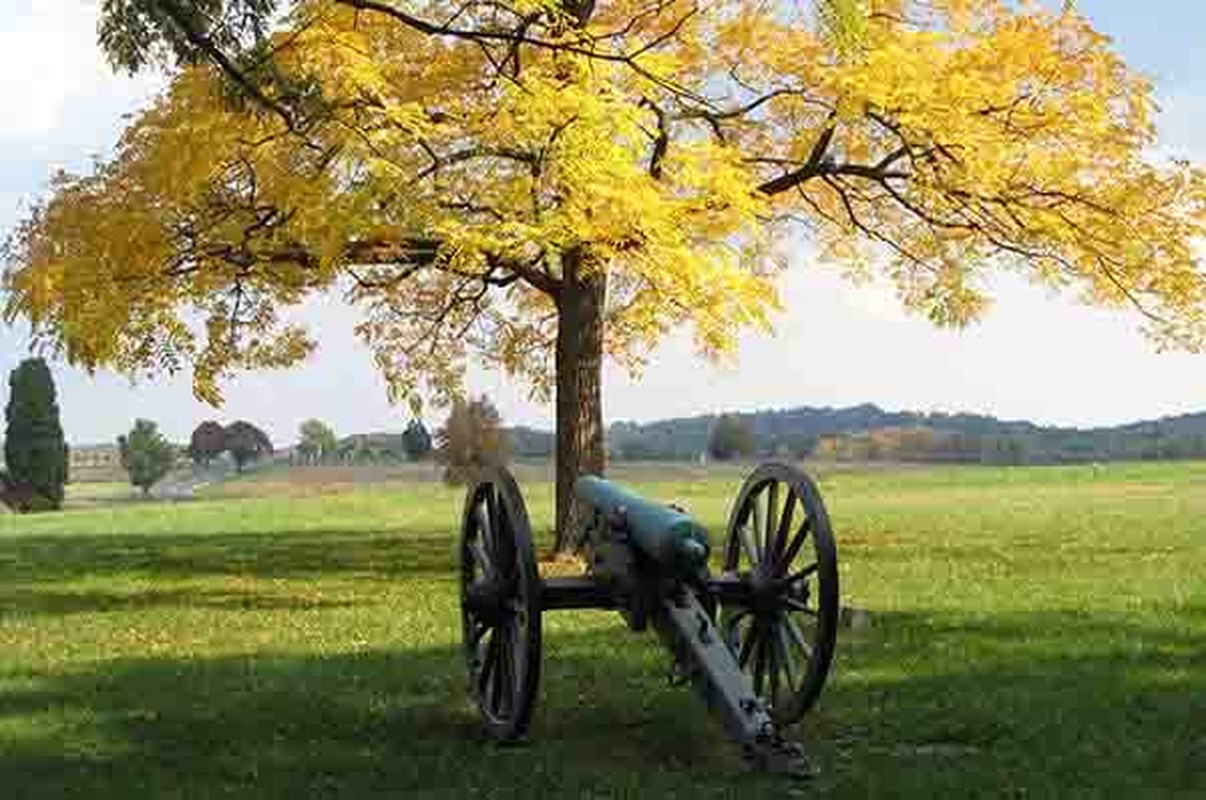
(1179, 123)
(47, 54)
(53, 72)
(59, 101)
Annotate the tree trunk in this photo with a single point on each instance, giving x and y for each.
(579, 365)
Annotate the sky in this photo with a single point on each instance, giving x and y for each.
(1037, 356)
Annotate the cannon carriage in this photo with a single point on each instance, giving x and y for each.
(756, 637)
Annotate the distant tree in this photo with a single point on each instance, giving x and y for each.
(731, 437)
(34, 451)
(416, 440)
(245, 443)
(318, 441)
(362, 450)
(146, 455)
(208, 442)
(471, 438)
(792, 445)
(347, 448)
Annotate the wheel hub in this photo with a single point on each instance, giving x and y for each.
(764, 594)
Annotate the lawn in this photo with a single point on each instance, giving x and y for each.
(1037, 633)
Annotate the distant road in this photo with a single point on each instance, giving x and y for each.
(183, 484)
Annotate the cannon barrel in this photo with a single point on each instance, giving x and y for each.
(668, 536)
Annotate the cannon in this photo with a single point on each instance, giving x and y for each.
(756, 637)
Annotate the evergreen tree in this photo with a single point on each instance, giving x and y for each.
(34, 450)
(416, 440)
(731, 437)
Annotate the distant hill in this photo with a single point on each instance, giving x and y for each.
(531, 442)
(869, 432)
(862, 432)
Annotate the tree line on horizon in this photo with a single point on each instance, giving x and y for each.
(472, 437)
(866, 432)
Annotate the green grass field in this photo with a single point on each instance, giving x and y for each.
(1037, 633)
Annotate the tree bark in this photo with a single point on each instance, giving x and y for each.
(579, 365)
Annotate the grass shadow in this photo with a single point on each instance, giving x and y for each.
(906, 715)
(379, 553)
(367, 724)
(1047, 703)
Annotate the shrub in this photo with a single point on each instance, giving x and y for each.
(146, 455)
(471, 438)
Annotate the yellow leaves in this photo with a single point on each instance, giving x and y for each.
(527, 7)
(933, 141)
(846, 24)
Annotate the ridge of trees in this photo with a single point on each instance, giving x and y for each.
(868, 432)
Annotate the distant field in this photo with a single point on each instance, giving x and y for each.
(1038, 632)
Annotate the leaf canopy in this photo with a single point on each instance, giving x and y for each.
(437, 161)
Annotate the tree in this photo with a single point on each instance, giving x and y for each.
(318, 441)
(246, 443)
(416, 440)
(146, 455)
(731, 437)
(471, 438)
(208, 442)
(35, 453)
(543, 183)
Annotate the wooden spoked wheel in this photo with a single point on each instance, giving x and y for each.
(783, 624)
(500, 604)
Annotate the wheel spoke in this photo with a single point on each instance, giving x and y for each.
(772, 517)
(503, 680)
(514, 668)
(495, 520)
(748, 645)
(759, 664)
(789, 511)
(737, 616)
(485, 525)
(475, 638)
(795, 604)
(796, 543)
(759, 528)
(789, 664)
(488, 667)
(519, 654)
(751, 550)
(505, 536)
(796, 636)
(773, 656)
(796, 577)
(483, 559)
(731, 628)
